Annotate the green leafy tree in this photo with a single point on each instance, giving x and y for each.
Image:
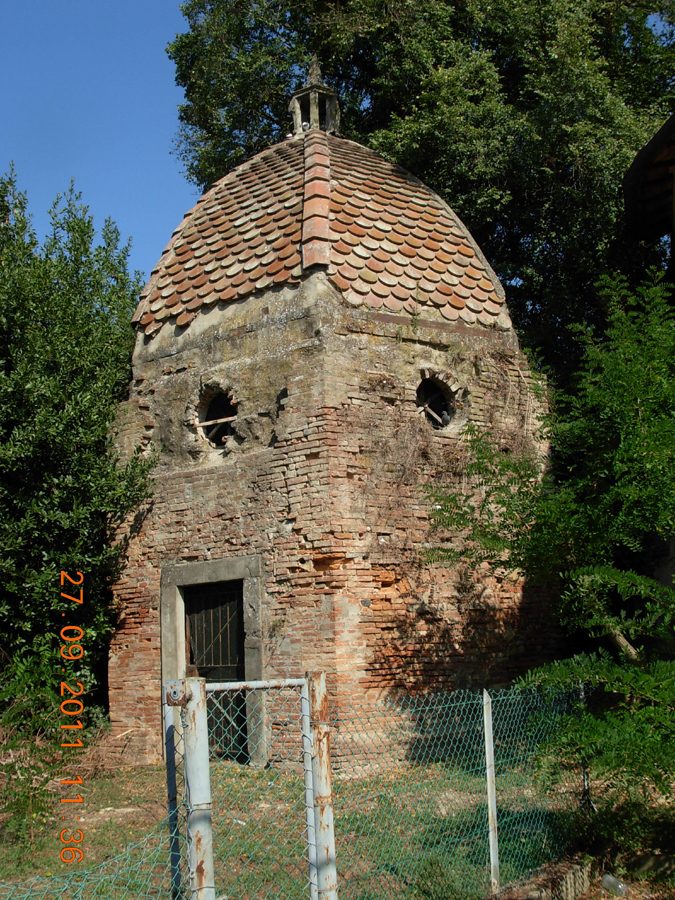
(599, 527)
(523, 114)
(65, 349)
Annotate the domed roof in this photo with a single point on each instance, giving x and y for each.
(384, 239)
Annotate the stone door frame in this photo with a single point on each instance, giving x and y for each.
(175, 576)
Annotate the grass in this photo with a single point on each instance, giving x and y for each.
(417, 830)
(120, 808)
(120, 815)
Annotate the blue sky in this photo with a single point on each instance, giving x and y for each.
(88, 94)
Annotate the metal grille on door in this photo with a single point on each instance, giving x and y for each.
(215, 651)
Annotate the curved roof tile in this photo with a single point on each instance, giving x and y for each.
(385, 239)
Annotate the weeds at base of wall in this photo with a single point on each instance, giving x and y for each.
(27, 766)
(31, 766)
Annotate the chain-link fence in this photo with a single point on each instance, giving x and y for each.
(259, 802)
(411, 790)
(175, 725)
(411, 794)
(142, 870)
(413, 783)
(536, 816)
(409, 798)
(152, 867)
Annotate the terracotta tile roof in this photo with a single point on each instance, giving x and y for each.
(386, 241)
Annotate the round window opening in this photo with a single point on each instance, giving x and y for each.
(436, 401)
(217, 418)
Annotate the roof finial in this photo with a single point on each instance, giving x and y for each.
(315, 105)
(314, 74)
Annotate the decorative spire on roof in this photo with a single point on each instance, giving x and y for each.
(314, 74)
(315, 105)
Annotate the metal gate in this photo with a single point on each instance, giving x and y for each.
(257, 826)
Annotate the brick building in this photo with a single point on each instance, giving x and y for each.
(314, 339)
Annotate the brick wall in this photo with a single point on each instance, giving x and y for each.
(325, 482)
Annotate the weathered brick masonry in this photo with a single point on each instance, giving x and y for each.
(319, 495)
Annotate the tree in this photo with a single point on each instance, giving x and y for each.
(599, 526)
(65, 349)
(523, 115)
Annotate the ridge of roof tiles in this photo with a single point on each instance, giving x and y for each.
(386, 241)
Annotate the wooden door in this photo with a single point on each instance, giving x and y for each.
(214, 630)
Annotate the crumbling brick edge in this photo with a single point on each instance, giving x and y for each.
(566, 879)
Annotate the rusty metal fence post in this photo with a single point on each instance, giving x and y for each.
(322, 784)
(198, 792)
